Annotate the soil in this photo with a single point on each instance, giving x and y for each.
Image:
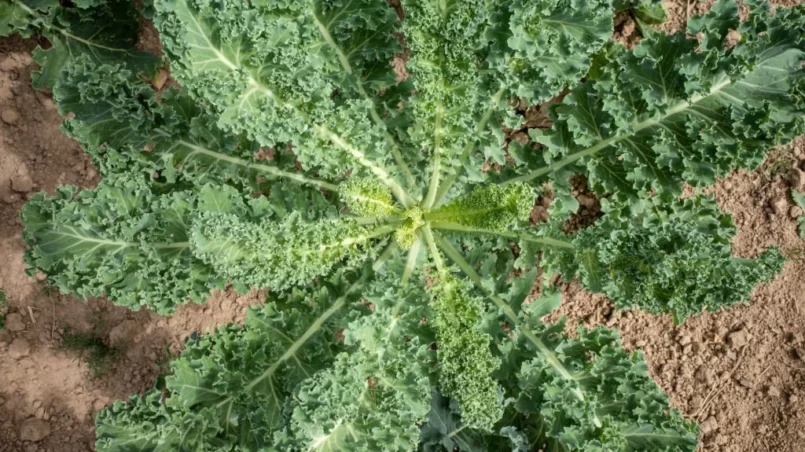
(740, 372)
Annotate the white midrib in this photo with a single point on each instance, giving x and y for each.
(636, 127)
(120, 244)
(324, 131)
(257, 166)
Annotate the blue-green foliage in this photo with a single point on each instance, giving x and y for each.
(391, 219)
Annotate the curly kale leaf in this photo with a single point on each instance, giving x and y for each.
(301, 374)
(279, 254)
(122, 240)
(608, 403)
(665, 257)
(492, 208)
(676, 110)
(230, 389)
(124, 124)
(550, 43)
(466, 362)
(24, 17)
(295, 72)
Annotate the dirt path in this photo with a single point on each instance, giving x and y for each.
(740, 372)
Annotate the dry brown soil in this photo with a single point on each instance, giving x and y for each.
(740, 372)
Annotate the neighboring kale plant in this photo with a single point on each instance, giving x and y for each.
(389, 216)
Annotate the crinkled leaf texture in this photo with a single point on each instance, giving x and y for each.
(665, 257)
(307, 372)
(677, 110)
(292, 155)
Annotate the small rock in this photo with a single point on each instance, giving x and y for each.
(40, 413)
(795, 212)
(684, 340)
(745, 383)
(738, 338)
(780, 205)
(793, 399)
(15, 322)
(19, 348)
(795, 178)
(34, 430)
(22, 183)
(9, 116)
(709, 425)
(773, 391)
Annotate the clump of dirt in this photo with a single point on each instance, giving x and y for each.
(52, 346)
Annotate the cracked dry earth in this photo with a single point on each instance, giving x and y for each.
(739, 372)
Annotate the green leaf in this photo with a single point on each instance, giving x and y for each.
(671, 257)
(367, 198)
(279, 254)
(548, 44)
(24, 16)
(673, 110)
(103, 31)
(465, 359)
(122, 240)
(611, 403)
(372, 398)
(277, 86)
(229, 389)
(492, 207)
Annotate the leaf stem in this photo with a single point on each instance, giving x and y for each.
(378, 171)
(450, 180)
(345, 64)
(436, 168)
(635, 127)
(436, 255)
(259, 167)
(410, 263)
(318, 323)
(547, 354)
(511, 235)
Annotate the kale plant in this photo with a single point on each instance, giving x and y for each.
(390, 215)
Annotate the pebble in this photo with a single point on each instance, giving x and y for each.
(15, 322)
(738, 338)
(19, 348)
(684, 340)
(795, 212)
(773, 391)
(34, 430)
(780, 205)
(709, 425)
(21, 182)
(9, 116)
